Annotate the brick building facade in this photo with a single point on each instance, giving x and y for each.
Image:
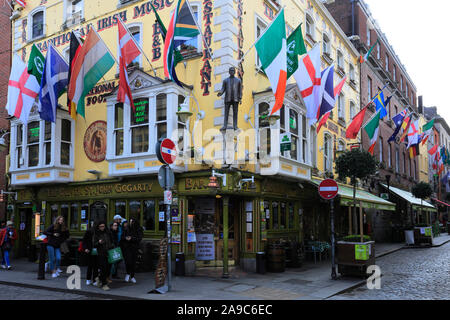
(383, 67)
(5, 65)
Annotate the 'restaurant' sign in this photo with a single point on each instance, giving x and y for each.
(95, 141)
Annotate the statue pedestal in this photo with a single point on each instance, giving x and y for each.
(230, 138)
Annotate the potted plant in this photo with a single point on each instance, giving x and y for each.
(355, 255)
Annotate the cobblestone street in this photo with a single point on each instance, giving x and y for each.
(417, 274)
(23, 293)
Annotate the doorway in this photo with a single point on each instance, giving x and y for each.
(24, 232)
(98, 212)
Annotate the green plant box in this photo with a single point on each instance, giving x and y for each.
(423, 235)
(353, 258)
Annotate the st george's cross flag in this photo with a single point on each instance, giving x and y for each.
(22, 3)
(308, 77)
(128, 51)
(272, 52)
(54, 83)
(182, 27)
(92, 63)
(413, 133)
(23, 89)
(372, 129)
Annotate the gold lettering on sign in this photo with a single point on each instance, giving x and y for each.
(286, 167)
(302, 171)
(64, 174)
(23, 177)
(150, 164)
(195, 184)
(43, 175)
(124, 166)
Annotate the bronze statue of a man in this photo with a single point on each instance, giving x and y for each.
(232, 87)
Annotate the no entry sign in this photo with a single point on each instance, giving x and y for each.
(328, 189)
(166, 151)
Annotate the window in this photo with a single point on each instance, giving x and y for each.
(149, 215)
(326, 45)
(406, 90)
(401, 82)
(290, 121)
(118, 128)
(404, 163)
(341, 145)
(340, 60)
(369, 88)
(397, 161)
(309, 26)
(19, 145)
(304, 140)
(341, 107)
(368, 35)
(263, 129)
(139, 126)
(352, 110)
(37, 24)
(74, 12)
(161, 116)
(162, 224)
(387, 63)
(378, 51)
(193, 45)
(313, 146)
(137, 35)
(48, 143)
(380, 150)
(135, 210)
(74, 216)
(65, 213)
(293, 129)
(394, 73)
(66, 141)
(327, 153)
(33, 143)
(120, 208)
(183, 134)
(275, 215)
(352, 72)
(260, 27)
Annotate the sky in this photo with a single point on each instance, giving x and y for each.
(418, 31)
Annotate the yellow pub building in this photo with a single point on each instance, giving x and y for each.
(106, 164)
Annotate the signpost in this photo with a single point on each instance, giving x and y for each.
(166, 153)
(328, 190)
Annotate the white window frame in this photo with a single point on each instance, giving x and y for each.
(197, 6)
(340, 59)
(55, 143)
(380, 149)
(326, 44)
(352, 72)
(310, 26)
(352, 109)
(30, 23)
(387, 62)
(137, 25)
(341, 106)
(389, 156)
(369, 88)
(378, 51)
(397, 161)
(394, 73)
(368, 35)
(68, 3)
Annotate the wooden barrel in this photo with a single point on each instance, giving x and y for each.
(276, 258)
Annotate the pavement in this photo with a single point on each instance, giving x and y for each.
(310, 282)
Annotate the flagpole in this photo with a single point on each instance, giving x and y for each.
(137, 45)
(104, 43)
(200, 30)
(248, 51)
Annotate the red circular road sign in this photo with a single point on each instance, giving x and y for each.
(166, 151)
(328, 189)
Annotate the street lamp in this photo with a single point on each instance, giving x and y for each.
(184, 110)
(3, 144)
(213, 184)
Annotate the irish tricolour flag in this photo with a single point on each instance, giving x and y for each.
(271, 48)
(92, 63)
(372, 128)
(366, 57)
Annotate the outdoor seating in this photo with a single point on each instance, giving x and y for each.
(317, 248)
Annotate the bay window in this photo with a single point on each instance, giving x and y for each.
(118, 128)
(161, 116)
(264, 129)
(33, 143)
(327, 153)
(290, 122)
(139, 121)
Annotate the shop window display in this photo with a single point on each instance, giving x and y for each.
(149, 215)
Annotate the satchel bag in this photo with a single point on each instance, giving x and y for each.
(115, 255)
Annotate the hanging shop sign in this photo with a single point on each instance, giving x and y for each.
(204, 249)
(206, 70)
(95, 141)
(285, 142)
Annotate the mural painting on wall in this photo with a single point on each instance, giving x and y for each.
(205, 72)
(95, 141)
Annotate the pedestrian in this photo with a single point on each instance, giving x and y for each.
(92, 268)
(103, 242)
(118, 218)
(131, 238)
(115, 237)
(7, 237)
(57, 233)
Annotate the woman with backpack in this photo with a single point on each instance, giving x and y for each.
(92, 266)
(103, 242)
(7, 237)
(56, 234)
(131, 238)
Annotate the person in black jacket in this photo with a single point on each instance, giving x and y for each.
(56, 234)
(92, 269)
(115, 237)
(103, 242)
(131, 238)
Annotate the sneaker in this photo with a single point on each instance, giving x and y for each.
(46, 266)
(95, 284)
(55, 275)
(9, 267)
(127, 278)
(133, 280)
(3, 266)
(105, 287)
(88, 282)
(97, 280)
(108, 280)
(59, 270)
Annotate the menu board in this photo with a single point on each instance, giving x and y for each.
(204, 250)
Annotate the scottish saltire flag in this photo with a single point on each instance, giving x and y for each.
(379, 103)
(54, 83)
(182, 28)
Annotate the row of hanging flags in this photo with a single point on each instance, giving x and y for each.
(50, 77)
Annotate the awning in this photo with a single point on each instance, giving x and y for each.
(441, 202)
(415, 202)
(368, 200)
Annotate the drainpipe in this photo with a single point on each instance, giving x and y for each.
(353, 17)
